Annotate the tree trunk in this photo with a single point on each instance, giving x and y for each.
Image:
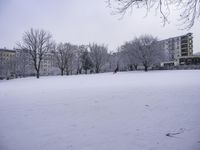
(135, 66)
(38, 74)
(67, 71)
(97, 70)
(145, 68)
(62, 72)
(80, 71)
(131, 67)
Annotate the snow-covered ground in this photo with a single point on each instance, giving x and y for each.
(157, 110)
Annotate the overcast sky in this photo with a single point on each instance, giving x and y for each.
(82, 22)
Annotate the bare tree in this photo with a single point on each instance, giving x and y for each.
(38, 43)
(114, 60)
(98, 55)
(189, 9)
(86, 61)
(69, 57)
(149, 51)
(65, 57)
(130, 53)
(78, 61)
(59, 53)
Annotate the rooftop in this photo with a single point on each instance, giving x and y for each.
(6, 50)
(188, 34)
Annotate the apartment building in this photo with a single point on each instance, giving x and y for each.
(179, 46)
(24, 63)
(19, 63)
(7, 62)
(48, 65)
(6, 54)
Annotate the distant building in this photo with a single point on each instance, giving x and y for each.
(178, 46)
(48, 65)
(24, 63)
(7, 63)
(19, 63)
(179, 51)
(189, 60)
(6, 54)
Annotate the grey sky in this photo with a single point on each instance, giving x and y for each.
(82, 22)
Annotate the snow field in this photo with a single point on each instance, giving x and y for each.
(157, 110)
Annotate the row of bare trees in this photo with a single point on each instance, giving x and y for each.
(85, 58)
(92, 58)
(145, 50)
(69, 58)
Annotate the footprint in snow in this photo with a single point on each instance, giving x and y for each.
(172, 134)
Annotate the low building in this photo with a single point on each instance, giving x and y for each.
(189, 60)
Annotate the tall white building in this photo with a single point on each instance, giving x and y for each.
(179, 46)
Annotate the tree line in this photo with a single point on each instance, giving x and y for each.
(69, 58)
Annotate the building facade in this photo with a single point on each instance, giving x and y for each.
(19, 63)
(26, 64)
(179, 46)
(48, 65)
(7, 63)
